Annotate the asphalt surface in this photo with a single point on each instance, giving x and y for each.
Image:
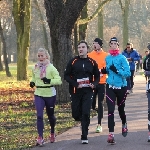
(136, 112)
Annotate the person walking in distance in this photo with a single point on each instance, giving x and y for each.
(44, 77)
(79, 73)
(132, 56)
(146, 67)
(99, 56)
(118, 70)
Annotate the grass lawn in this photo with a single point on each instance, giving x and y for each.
(18, 118)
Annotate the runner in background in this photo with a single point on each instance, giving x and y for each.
(99, 55)
(132, 56)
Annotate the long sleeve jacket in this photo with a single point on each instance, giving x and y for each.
(133, 55)
(51, 73)
(122, 66)
(146, 64)
(100, 60)
(79, 68)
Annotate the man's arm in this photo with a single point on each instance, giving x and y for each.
(96, 74)
(136, 57)
(68, 74)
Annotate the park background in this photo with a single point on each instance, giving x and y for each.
(26, 25)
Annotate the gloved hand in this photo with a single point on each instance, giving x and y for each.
(32, 84)
(113, 68)
(46, 81)
(103, 71)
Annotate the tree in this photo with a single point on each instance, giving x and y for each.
(125, 15)
(61, 17)
(21, 13)
(1, 65)
(5, 17)
(95, 14)
(83, 27)
(100, 23)
(45, 38)
(4, 51)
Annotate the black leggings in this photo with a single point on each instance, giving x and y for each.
(148, 96)
(111, 96)
(132, 78)
(81, 105)
(100, 90)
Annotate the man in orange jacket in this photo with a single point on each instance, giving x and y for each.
(99, 56)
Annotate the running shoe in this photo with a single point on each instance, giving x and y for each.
(40, 141)
(98, 129)
(111, 139)
(52, 137)
(84, 139)
(124, 130)
(148, 139)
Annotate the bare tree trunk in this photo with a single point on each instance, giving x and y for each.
(100, 23)
(4, 51)
(125, 14)
(61, 17)
(21, 13)
(75, 39)
(1, 64)
(83, 27)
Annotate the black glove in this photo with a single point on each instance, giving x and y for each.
(113, 68)
(32, 84)
(46, 81)
(103, 71)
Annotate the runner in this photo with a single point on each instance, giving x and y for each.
(118, 70)
(99, 56)
(79, 74)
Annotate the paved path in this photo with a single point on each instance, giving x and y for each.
(136, 111)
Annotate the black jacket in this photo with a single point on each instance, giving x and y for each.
(78, 68)
(146, 64)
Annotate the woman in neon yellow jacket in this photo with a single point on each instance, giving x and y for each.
(44, 77)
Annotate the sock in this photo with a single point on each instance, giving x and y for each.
(124, 125)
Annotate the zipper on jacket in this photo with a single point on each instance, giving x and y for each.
(113, 74)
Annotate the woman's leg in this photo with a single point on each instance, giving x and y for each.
(50, 105)
(121, 97)
(39, 105)
(110, 99)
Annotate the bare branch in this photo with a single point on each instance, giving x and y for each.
(99, 8)
(121, 5)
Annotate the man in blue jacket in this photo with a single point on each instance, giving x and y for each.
(132, 56)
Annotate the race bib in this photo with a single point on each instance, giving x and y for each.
(85, 82)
